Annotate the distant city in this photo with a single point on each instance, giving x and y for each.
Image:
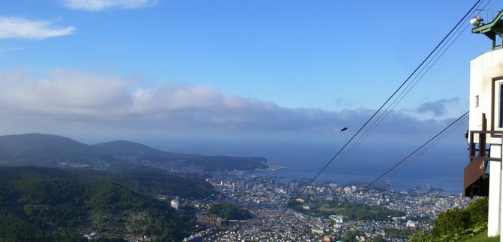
(267, 199)
(256, 204)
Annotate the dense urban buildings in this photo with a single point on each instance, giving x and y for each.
(267, 200)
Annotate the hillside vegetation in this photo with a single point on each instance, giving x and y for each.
(228, 211)
(42, 204)
(458, 224)
(144, 182)
(482, 238)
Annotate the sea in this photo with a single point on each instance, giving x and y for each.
(398, 181)
(440, 168)
(384, 165)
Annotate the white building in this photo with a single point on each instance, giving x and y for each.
(339, 219)
(486, 124)
(92, 236)
(175, 204)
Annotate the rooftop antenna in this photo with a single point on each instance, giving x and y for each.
(493, 30)
(489, 11)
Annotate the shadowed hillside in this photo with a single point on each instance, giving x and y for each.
(56, 151)
(53, 209)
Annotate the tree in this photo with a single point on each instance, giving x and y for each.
(479, 211)
(379, 238)
(420, 237)
(229, 212)
(457, 223)
(350, 236)
(452, 220)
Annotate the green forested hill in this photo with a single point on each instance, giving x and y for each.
(57, 151)
(43, 205)
(121, 148)
(42, 149)
(146, 182)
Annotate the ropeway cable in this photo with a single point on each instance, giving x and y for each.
(425, 60)
(428, 65)
(419, 149)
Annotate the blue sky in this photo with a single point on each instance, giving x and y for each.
(101, 70)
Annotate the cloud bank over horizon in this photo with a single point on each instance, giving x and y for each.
(72, 100)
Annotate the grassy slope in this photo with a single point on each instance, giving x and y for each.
(482, 238)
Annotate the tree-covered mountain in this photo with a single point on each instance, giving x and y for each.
(42, 150)
(57, 151)
(52, 204)
(59, 210)
(144, 182)
(145, 155)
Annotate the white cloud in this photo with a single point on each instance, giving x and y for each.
(9, 49)
(64, 92)
(73, 100)
(14, 27)
(99, 5)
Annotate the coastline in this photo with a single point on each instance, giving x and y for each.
(402, 183)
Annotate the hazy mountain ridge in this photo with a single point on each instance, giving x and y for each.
(45, 150)
(124, 147)
(57, 151)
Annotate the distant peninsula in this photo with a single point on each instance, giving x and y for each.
(44, 150)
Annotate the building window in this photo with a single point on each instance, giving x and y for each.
(496, 117)
(496, 120)
(500, 109)
(477, 101)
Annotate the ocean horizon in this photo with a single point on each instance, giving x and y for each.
(400, 182)
(434, 168)
(440, 166)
